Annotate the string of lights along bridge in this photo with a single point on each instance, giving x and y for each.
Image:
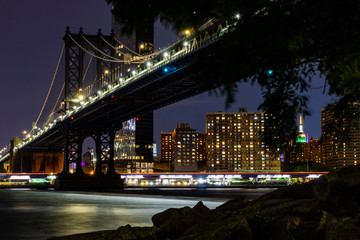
(149, 63)
(112, 80)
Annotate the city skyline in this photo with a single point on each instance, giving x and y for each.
(31, 48)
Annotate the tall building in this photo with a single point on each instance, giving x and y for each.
(201, 144)
(124, 150)
(139, 43)
(133, 150)
(315, 150)
(299, 151)
(233, 143)
(337, 151)
(88, 160)
(185, 148)
(302, 137)
(304, 150)
(135, 141)
(166, 147)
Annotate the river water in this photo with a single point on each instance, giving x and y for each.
(33, 214)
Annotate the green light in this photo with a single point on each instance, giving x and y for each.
(301, 140)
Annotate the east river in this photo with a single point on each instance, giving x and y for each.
(35, 214)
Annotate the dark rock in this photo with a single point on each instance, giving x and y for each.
(295, 192)
(282, 219)
(138, 233)
(233, 205)
(342, 229)
(234, 228)
(172, 223)
(337, 197)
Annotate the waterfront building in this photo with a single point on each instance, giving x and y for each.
(166, 147)
(233, 143)
(315, 150)
(341, 145)
(183, 149)
(132, 153)
(201, 145)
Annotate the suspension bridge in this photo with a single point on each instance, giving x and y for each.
(97, 108)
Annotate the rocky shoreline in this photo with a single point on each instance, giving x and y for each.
(326, 208)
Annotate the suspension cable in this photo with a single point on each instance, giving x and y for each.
(87, 68)
(126, 47)
(100, 51)
(113, 46)
(98, 57)
(139, 56)
(57, 100)
(52, 82)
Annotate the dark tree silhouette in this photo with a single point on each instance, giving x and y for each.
(294, 39)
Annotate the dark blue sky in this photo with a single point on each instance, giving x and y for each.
(31, 41)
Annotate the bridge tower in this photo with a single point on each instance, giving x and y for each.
(76, 45)
(103, 48)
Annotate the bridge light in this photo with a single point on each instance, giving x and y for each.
(270, 72)
(109, 87)
(148, 64)
(166, 70)
(99, 92)
(142, 46)
(166, 54)
(81, 97)
(106, 72)
(121, 79)
(82, 103)
(133, 72)
(186, 43)
(237, 16)
(187, 32)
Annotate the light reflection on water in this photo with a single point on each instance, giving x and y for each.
(41, 214)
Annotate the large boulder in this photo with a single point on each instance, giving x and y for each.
(172, 223)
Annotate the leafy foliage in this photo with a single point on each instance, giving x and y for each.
(294, 39)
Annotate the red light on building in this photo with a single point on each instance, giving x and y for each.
(137, 119)
(72, 118)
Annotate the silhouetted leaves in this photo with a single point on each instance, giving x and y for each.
(293, 38)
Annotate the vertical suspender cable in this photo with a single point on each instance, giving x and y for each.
(52, 82)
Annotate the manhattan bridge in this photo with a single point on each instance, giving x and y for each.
(128, 84)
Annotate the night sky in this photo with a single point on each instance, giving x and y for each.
(31, 40)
